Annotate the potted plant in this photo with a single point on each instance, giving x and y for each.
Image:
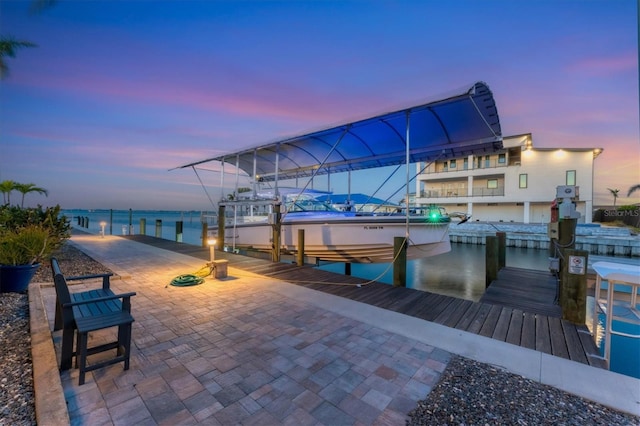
(28, 237)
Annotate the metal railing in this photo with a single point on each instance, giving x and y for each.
(461, 167)
(462, 192)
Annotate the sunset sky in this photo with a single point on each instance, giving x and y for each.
(116, 93)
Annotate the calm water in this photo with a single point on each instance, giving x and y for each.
(459, 273)
(117, 222)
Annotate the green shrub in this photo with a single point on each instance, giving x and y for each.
(30, 235)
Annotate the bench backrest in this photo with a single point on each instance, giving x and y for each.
(62, 290)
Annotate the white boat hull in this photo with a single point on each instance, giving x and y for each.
(356, 239)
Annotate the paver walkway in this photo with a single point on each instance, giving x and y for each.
(254, 350)
(234, 351)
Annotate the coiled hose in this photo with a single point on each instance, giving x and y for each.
(187, 280)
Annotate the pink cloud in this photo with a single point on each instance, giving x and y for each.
(606, 65)
(248, 98)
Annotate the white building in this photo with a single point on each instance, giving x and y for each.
(515, 184)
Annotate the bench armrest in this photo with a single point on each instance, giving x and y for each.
(99, 299)
(86, 277)
(105, 278)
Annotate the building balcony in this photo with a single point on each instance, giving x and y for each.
(445, 168)
(462, 192)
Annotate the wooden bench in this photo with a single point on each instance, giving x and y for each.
(89, 311)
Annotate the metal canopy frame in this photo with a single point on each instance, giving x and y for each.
(460, 125)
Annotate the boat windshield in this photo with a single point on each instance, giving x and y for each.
(305, 203)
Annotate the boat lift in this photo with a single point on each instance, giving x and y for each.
(459, 124)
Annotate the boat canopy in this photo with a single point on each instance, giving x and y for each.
(463, 124)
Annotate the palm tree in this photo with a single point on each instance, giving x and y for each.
(25, 188)
(6, 187)
(633, 189)
(614, 192)
(8, 47)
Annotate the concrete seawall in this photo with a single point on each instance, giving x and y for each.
(593, 238)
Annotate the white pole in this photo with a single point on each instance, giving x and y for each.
(408, 176)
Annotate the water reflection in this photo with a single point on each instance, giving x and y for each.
(459, 273)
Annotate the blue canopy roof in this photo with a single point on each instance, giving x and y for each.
(355, 199)
(463, 124)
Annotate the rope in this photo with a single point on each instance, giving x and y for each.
(374, 280)
(197, 278)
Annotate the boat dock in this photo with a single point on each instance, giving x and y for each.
(528, 318)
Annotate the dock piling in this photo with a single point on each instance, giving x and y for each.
(300, 254)
(491, 259)
(179, 231)
(502, 249)
(158, 228)
(573, 294)
(399, 261)
(276, 218)
(220, 236)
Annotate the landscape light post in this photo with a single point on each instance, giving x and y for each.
(212, 249)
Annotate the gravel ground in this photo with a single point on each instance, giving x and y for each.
(16, 372)
(471, 393)
(468, 393)
(16, 382)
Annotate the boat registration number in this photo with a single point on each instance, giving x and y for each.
(374, 227)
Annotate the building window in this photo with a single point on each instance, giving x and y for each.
(571, 177)
(487, 161)
(465, 164)
(523, 180)
(502, 159)
(492, 183)
(452, 164)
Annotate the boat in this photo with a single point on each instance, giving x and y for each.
(463, 123)
(331, 234)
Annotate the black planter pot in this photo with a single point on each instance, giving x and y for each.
(16, 278)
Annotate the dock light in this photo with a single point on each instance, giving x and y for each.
(212, 249)
(102, 225)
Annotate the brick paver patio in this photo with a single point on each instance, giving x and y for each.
(234, 351)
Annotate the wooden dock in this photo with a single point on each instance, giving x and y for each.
(519, 307)
(531, 291)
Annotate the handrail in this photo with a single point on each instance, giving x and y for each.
(615, 274)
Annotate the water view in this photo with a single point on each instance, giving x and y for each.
(459, 273)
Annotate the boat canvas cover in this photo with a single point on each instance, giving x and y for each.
(463, 124)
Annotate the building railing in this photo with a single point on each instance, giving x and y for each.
(487, 192)
(462, 192)
(461, 167)
(448, 193)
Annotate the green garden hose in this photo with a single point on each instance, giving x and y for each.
(187, 280)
